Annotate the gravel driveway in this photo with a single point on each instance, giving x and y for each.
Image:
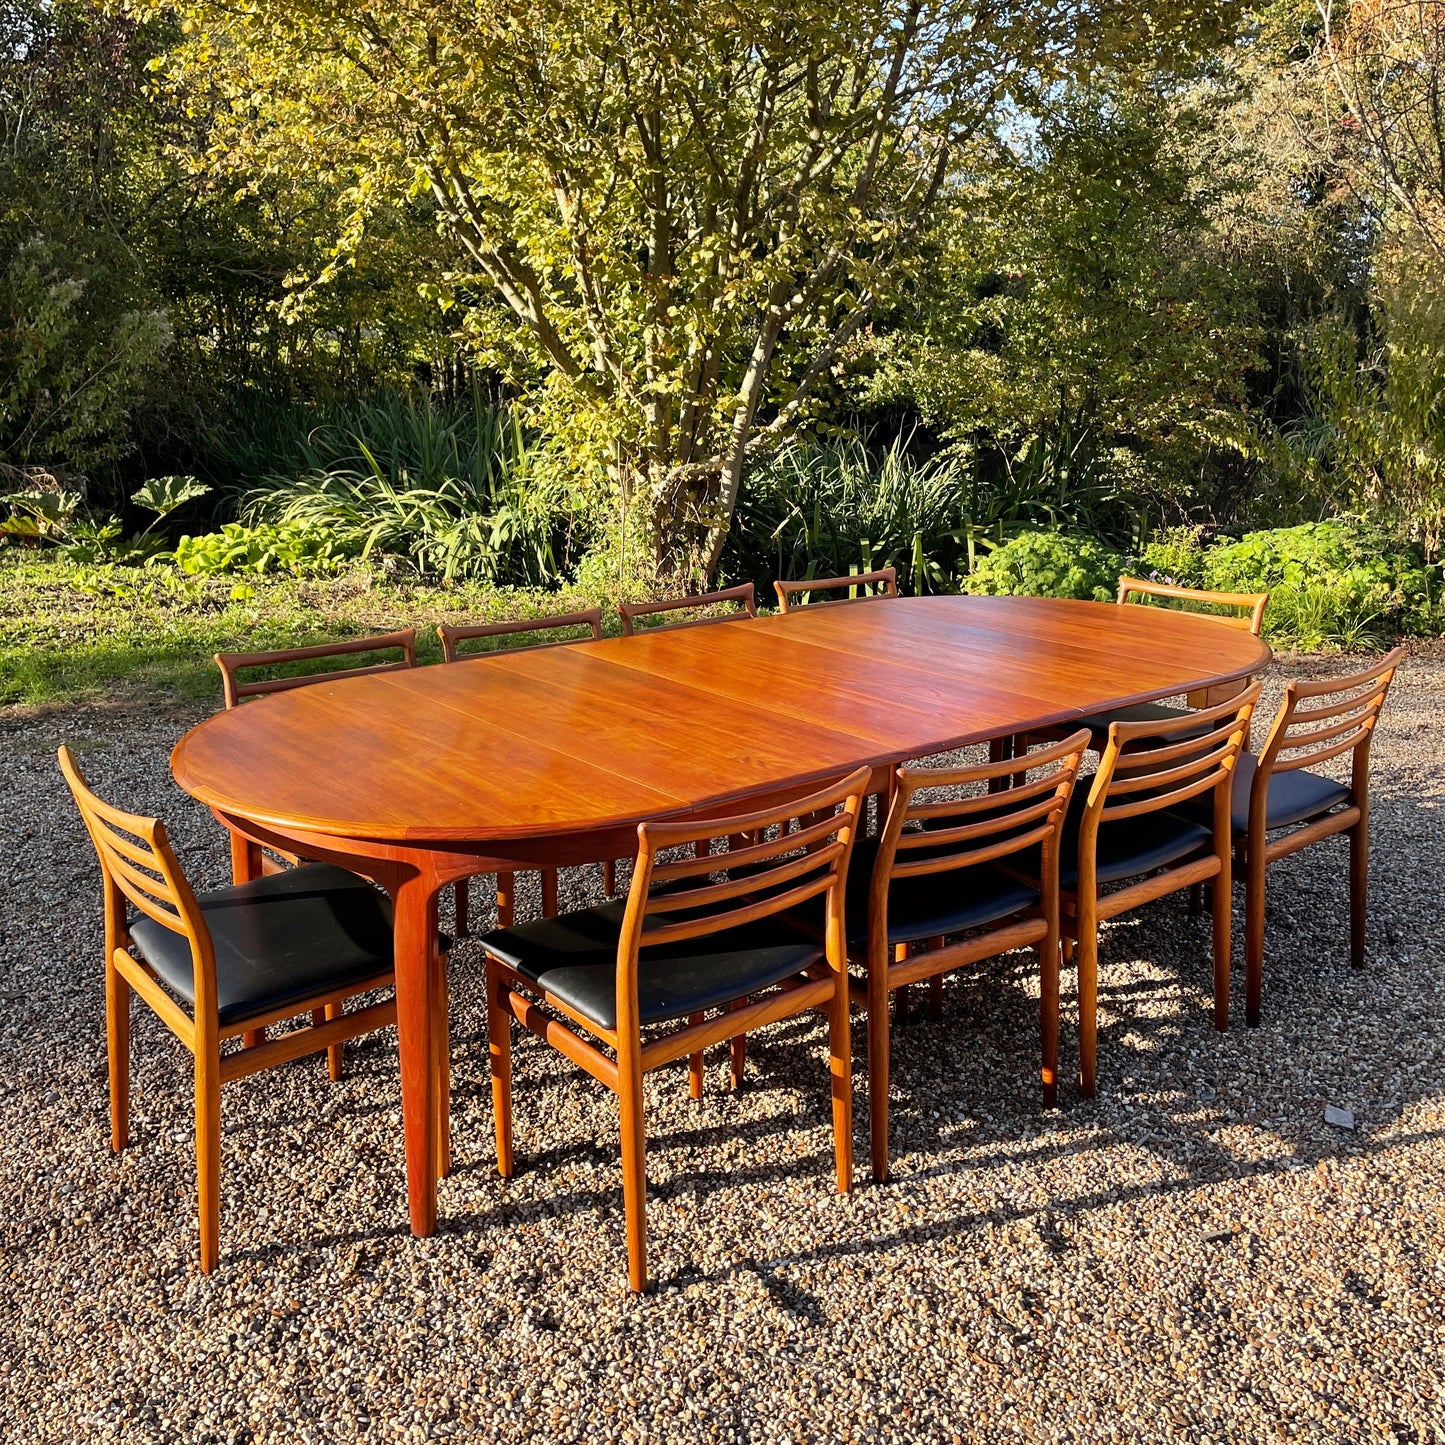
(1195, 1255)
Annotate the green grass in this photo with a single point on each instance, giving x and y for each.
(147, 635)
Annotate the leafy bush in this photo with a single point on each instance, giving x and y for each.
(454, 491)
(1344, 582)
(1050, 564)
(294, 547)
(1176, 555)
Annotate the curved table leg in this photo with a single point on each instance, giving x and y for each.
(417, 979)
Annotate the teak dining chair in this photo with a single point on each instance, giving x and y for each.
(237, 691)
(220, 964)
(232, 663)
(697, 935)
(1316, 721)
(743, 595)
(937, 873)
(884, 583)
(451, 637)
(1126, 829)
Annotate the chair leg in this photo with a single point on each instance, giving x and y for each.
(1196, 899)
(441, 1032)
(336, 1054)
(1087, 953)
(1220, 916)
(1359, 889)
(878, 1062)
(694, 1066)
(208, 1151)
(1048, 956)
(840, 1071)
(549, 893)
(609, 878)
(506, 899)
(634, 1164)
(499, 1040)
(1254, 877)
(117, 1040)
(463, 906)
(935, 986)
(739, 1050)
(253, 1038)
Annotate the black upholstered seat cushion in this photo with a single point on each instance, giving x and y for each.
(574, 957)
(1128, 847)
(1098, 723)
(1294, 797)
(928, 905)
(279, 940)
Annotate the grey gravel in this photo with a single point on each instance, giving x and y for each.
(1195, 1255)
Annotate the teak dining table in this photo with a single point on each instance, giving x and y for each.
(555, 755)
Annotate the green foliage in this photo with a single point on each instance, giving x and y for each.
(1340, 583)
(294, 547)
(1050, 564)
(164, 495)
(455, 492)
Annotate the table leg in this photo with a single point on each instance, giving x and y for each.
(417, 979)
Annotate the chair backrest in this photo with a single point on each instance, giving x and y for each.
(884, 583)
(978, 827)
(1149, 766)
(781, 856)
(232, 662)
(139, 864)
(451, 636)
(742, 595)
(1318, 721)
(1249, 606)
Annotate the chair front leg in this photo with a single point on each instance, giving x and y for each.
(117, 1041)
(499, 1041)
(1359, 887)
(1254, 899)
(694, 1066)
(208, 1148)
(1086, 953)
(634, 1159)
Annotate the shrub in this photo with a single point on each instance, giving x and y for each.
(284, 547)
(1050, 564)
(1344, 582)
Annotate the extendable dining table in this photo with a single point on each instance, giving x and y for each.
(554, 755)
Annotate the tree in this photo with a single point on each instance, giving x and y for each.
(686, 207)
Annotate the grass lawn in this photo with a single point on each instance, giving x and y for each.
(70, 633)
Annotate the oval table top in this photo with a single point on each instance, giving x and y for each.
(538, 742)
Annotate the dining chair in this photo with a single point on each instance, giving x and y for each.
(1127, 828)
(742, 595)
(452, 636)
(232, 663)
(884, 583)
(938, 871)
(236, 691)
(1276, 791)
(219, 964)
(697, 936)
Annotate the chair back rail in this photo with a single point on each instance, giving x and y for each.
(783, 867)
(743, 595)
(884, 582)
(138, 862)
(1251, 604)
(236, 690)
(451, 635)
(1341, 719)
(1027, 814)
(1147, 767)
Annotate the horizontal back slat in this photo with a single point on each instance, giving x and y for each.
(451, 635)
(884, 581)
(231, 663)
(742, 595)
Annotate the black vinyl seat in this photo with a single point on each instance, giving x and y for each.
(1098, 723)
(1294, 797)
(1127, 847)
(930, 905)
(574, 958)
(287, 936)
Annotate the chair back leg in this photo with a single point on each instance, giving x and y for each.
(499, 1042)
(117, 1039)
(1220, 916)
(1254, 885)
(1359, 882)
(878, 1062)
(840, 1068)
(208, 1150)
(634, 1161)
